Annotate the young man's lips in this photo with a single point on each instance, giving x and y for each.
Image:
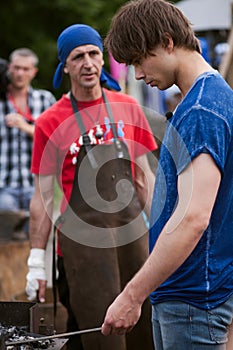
(152, 83)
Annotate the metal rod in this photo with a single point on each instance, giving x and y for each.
(61, 335)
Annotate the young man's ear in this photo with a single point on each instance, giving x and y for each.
(167, 41)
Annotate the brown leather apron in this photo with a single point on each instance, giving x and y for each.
(103, 239)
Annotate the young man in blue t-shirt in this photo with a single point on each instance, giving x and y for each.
(189, 272)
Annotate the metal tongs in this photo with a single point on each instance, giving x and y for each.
(50, 337)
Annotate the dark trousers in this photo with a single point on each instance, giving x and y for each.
(74, 342)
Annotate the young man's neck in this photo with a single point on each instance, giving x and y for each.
(192, 66)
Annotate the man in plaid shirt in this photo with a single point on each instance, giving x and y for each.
(19, 109)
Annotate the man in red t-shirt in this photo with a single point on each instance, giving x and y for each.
(94, 141)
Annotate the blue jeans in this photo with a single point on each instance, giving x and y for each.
(15, 198)
(180, 326)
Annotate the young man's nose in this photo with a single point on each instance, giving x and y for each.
(138, 72)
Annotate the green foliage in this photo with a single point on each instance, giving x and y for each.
(37, 24)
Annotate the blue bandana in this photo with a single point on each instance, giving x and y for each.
(72, 37)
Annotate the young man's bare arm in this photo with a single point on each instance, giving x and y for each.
(197, 188)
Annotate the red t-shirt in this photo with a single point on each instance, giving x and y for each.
(57, 136)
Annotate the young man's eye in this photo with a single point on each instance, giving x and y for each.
(136, 63)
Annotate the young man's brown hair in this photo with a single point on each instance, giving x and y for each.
(140, 25)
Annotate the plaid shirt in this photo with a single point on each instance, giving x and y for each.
(15, 145)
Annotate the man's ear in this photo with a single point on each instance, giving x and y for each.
(65, 70)
(167, 41)
(35, 71)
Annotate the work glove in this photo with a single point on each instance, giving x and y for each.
(36, 271)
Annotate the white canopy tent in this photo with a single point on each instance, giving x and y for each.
(208, 15)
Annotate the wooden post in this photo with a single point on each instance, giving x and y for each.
(226, 66)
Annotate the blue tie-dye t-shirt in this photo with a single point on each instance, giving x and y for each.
(202, 123)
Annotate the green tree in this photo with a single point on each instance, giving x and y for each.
(37, 24)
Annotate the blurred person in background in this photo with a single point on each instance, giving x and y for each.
(19, 108)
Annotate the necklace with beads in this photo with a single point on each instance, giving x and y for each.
(99, 131)
(86, 138)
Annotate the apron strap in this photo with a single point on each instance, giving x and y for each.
(54, 271)
(56, 225)
(117, 143)
(86, 138)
